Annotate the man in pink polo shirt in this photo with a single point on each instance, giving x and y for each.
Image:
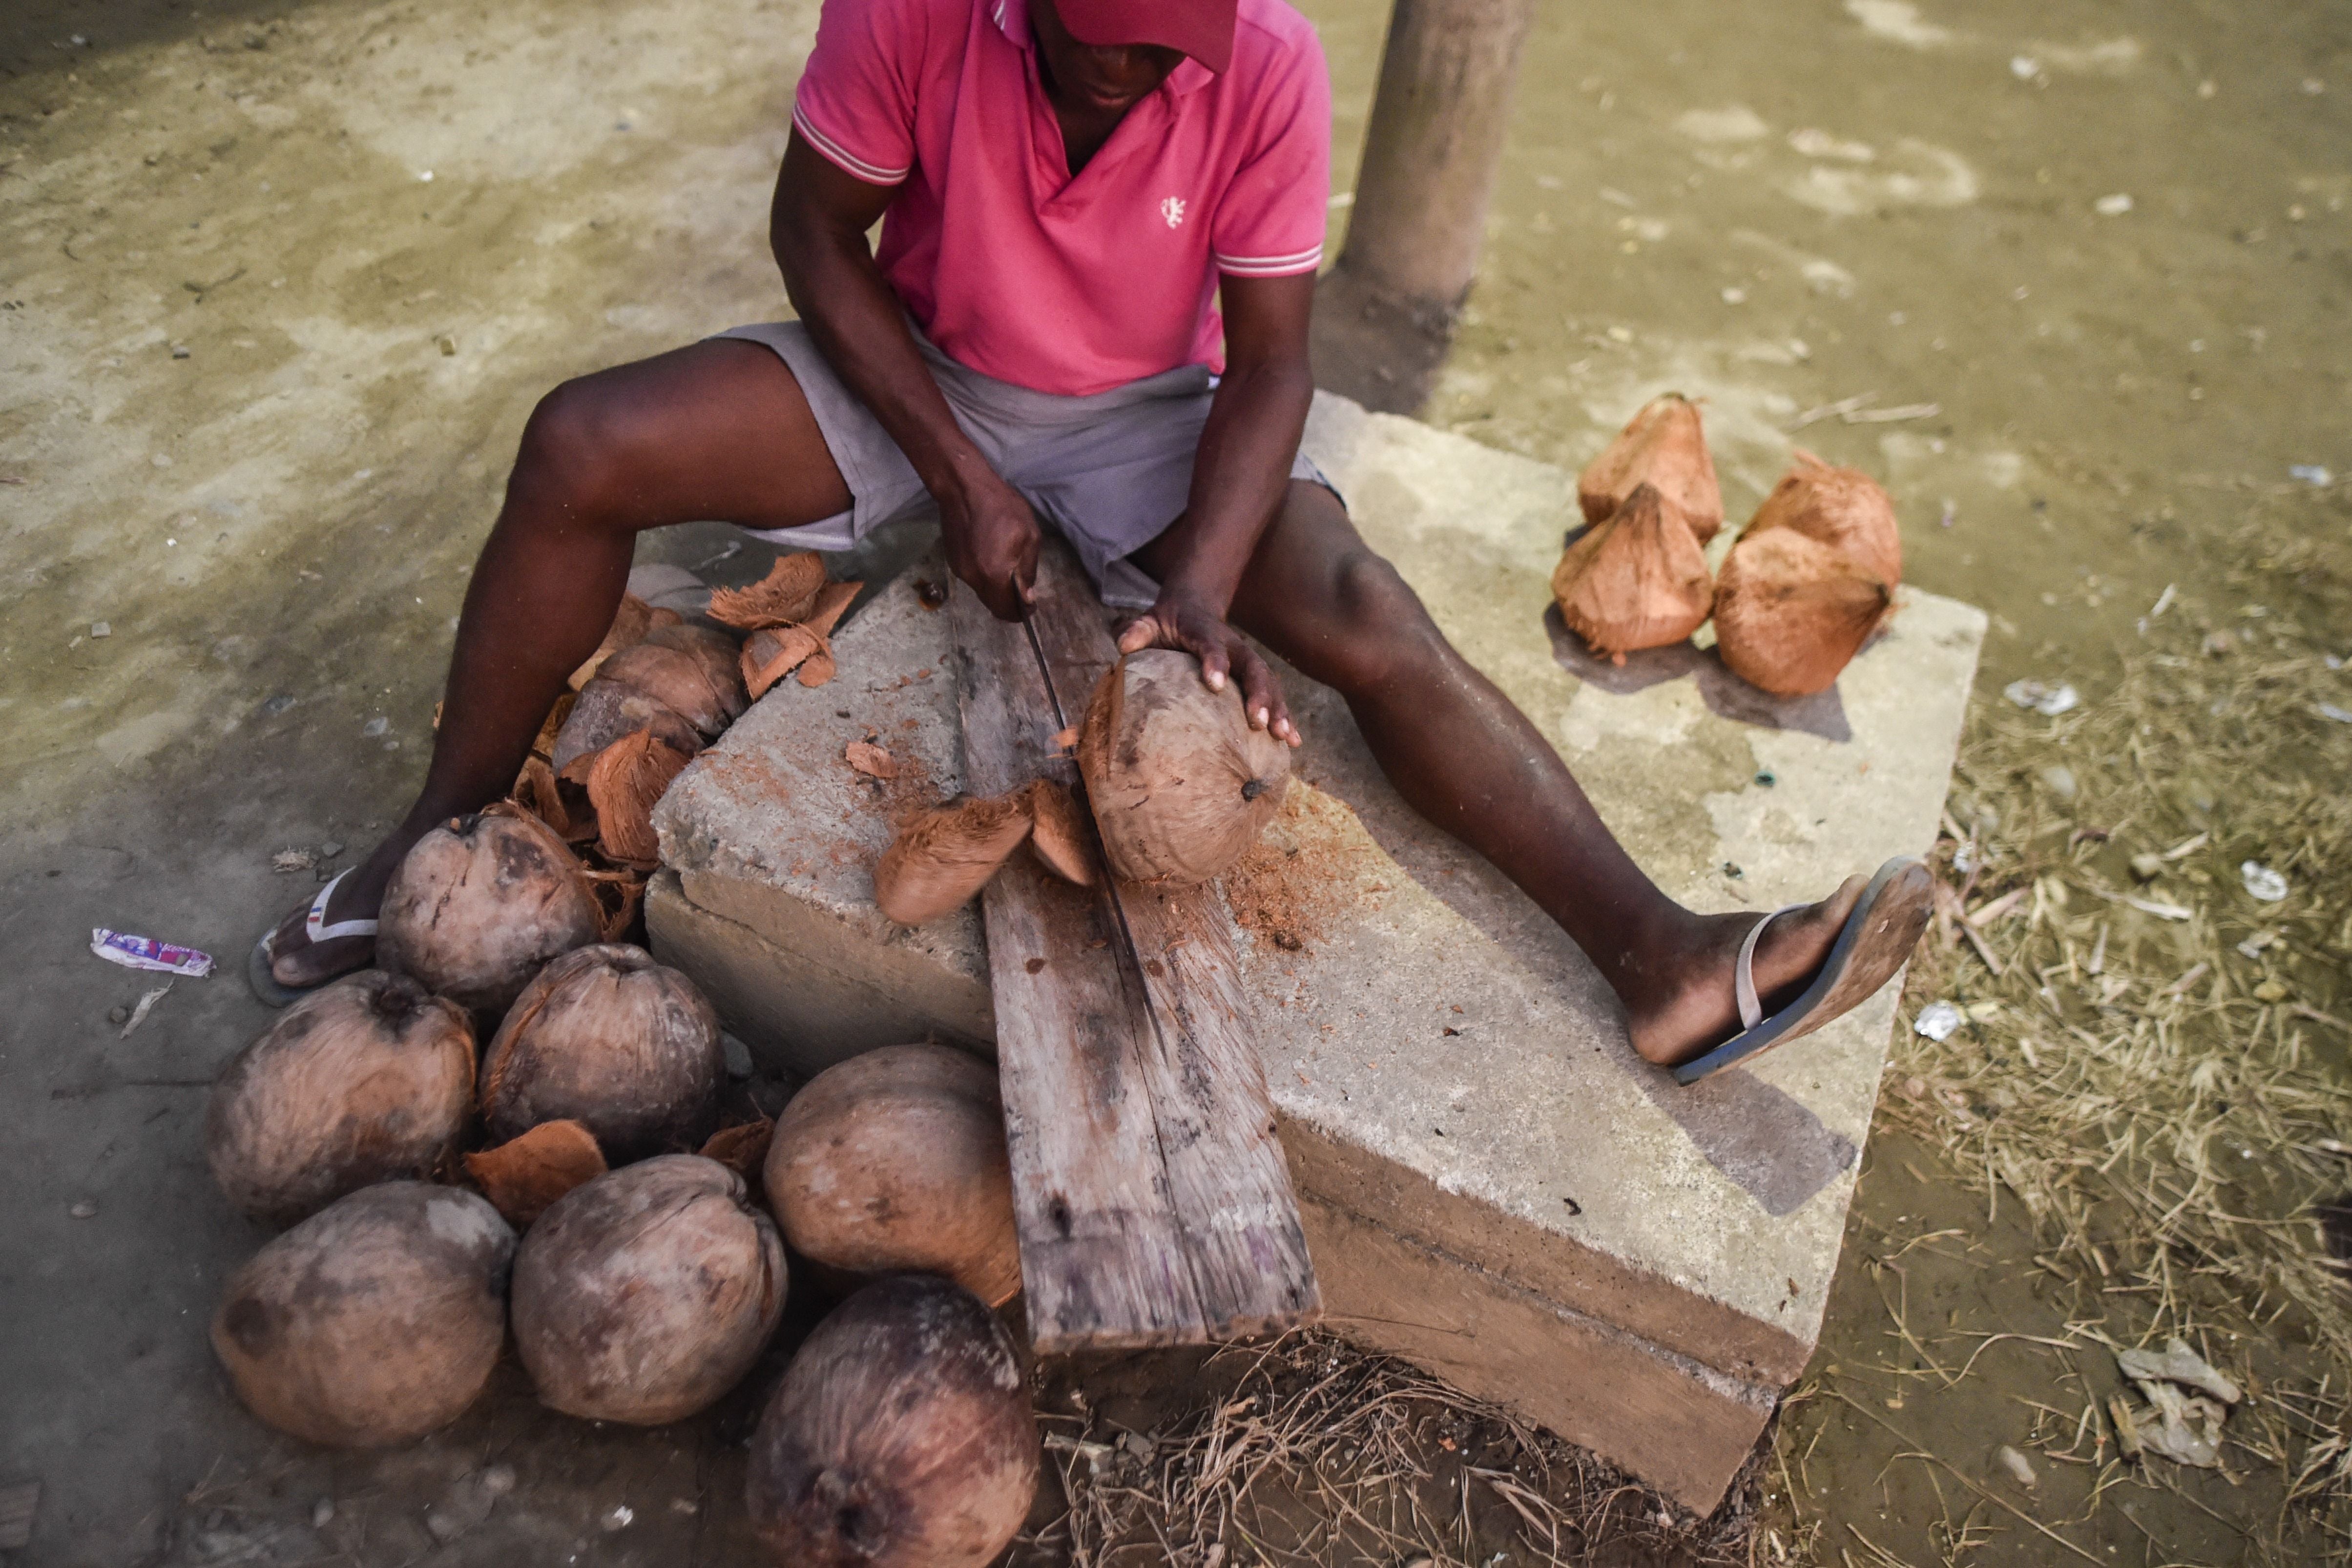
(1071, 191)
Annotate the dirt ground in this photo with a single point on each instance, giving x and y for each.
(279, 284)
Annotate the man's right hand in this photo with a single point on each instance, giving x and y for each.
(992, 539)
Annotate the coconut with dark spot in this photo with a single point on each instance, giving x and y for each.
(900, 1437)
(895, 1160)
(607, 1037)
(480, 904)
(373, 1322)
(1180, 785)
(645, 1295)
(365, 1080)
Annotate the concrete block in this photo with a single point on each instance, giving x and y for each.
(1496, 1186)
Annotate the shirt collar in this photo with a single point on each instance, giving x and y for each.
(1011, 19)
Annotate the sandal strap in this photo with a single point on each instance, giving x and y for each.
(1743, 974)
(315, 928)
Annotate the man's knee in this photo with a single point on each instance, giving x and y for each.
(578, 448)
(1379, 632)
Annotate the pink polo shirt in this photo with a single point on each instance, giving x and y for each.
(1070, 285)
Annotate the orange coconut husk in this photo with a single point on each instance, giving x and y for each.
(1663, 447)
(619, 895)
(742, 1150)
(543, 744)
(561, 804)
(606, 712)
(787, 593)
(1636, 580)
(943, 857)
(1057, 833)
(625, 781)
(1841, 508)
(772, 653)
(522, 1177)
(1792, 611)
(870, 760)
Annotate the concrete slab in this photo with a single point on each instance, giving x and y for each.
(1498, 1187)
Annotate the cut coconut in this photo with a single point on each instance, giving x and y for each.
(645, 1295)
(1635, 581)
(610, 1038)
(625, 782)
(1841, 508)
(1792, 611)
(368, 1079)
(606, 711)
(787, 593)
(943, 857)
(900, 1437)
(895, 1160)
(480, 904)
(1664, 447)
(1180, 785)
(1058, 835)
(522, 1177)
(374, 1322)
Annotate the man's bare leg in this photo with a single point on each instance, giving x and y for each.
(716, 432)
(1464, 757)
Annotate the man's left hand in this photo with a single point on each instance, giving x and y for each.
(1224, 655)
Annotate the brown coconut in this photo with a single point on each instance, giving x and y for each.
(377, 1319)
(895, 1160)
(366, 1081)
(787, 593)
(717, 653)
(944, 856)
(1180, 785)
(630, 623)
(606, 711)
(1841, 508)
(522, 1177)
(607, 1037)
(681, 682)
(1792, 611)
(479, 904)
(900, 1437)
(1661, 447)
(646, 1294)
(1637, 580)
(625, 782)
(1057, 833)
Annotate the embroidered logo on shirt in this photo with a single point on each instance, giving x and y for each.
(1172, 209)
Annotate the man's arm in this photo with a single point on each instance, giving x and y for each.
(1239, 481)
(817, 228)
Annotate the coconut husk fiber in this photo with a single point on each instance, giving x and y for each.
(743, 1149)
(559, 803)
(1180, 785)
(1841, 508)
(1057, 833)
(1664, 447)
(772, 653)
(606, 711)
(522, 1177)
(1636, 580)
(625, 782)
(942, 856)
(630, 623)
(1791, 611)
(700, 683)
(786, 595)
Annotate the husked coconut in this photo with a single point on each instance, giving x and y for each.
(1841, 508)
(1664, 447)
(625, 782)
(522, 1177)
(944, 856)
(680, 682)
(1180, 785)
(606, 711)
(646, 1294)
(1792, 611)
(1057, 833)
(895, 1160)
(377, 1319)
(365, 1080)
(900, 1437)
(717, 653)
(787, 593)
(605, 1037)
(1635, 581)
(631, 624)
(479, 904)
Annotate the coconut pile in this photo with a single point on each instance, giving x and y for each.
(572, 1195)
(1809, 581)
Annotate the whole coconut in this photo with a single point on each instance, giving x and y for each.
(1180, 785)
(1663, 446)
(607, 1037)
(1841, 508)
(900, 1437)
(895, 1160)
(1637, 580)
(373, 1322)
(365, 1080)
(480, 904)
(647, 1293)
(1792, 611)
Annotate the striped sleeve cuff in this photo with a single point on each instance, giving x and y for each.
(849, 162)
(1270, 266)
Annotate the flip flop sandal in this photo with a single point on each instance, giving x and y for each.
(315, 930)
(1876, 942)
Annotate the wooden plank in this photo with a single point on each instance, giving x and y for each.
(1152, 1199)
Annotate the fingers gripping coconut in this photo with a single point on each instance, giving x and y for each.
(480, 904)
(900, 1437)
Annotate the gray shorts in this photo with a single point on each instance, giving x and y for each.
(1110, 470)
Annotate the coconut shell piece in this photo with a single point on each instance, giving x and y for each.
(479, 904)
(742, 1150)
(522, 1177)
(870, 760)
(1180, 785)
(1841, 508)
(786, 595)
(1790, 612)
(1057, 833)
(1664, 447)
(543, 744)
(607, 1037)
(1634, 581)
(624, 782)
(559, 803)
(944, 856)
(771, 654)
(606, 711)
(619, 895)
(679, 683)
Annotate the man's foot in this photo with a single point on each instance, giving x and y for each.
(297, 963)
(1682, 1005)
